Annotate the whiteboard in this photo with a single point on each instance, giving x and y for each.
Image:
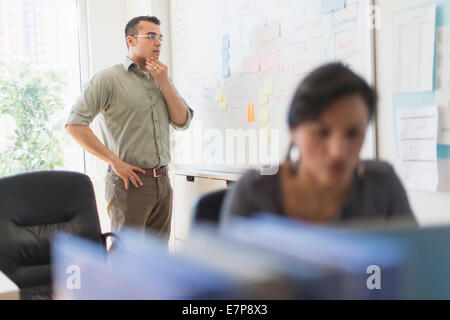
(237, 64)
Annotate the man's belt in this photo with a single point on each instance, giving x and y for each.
(156, 172)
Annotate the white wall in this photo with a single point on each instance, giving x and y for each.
(160, 8)
(430, 207)
(136, 8)
(106, 24)
(106, 21)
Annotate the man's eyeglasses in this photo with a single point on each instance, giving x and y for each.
(150, 36)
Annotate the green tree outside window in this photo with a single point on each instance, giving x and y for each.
(33, 101)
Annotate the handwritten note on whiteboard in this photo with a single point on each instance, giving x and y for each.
(417, 143)
(414, 41)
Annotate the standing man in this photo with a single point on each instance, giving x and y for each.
(135, 102)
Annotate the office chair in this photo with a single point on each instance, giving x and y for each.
(206, 208)
(33, 206)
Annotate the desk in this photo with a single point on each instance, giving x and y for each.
(187, 186)
(8, 289)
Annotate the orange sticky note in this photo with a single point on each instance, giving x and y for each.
(251, 113)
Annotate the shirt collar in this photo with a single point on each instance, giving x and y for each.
(127, 63)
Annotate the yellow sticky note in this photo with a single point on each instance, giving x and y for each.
(223, 103)
(216, 81)
(268, 86)
(263, 97)
(264, 114)
(218, 95)
(265, 132)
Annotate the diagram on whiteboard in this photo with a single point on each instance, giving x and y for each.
(237, 63)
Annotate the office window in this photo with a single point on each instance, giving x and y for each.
(39, 82)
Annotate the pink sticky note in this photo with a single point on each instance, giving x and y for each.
(274, 30)
(251, 65)
(268, 61)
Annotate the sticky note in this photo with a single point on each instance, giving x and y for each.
(274, 30)
(225, 70)
(225, 55)
(216, 81)
(223, 103)
(263, 97)
(268, 61)
(264, 115)
(329, 6)
(225, 42)
(251, 113)
(264, 132)
(268, 86)
(251, 65)
(218, 94)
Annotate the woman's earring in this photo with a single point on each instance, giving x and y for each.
(294, 153)
(294, 158)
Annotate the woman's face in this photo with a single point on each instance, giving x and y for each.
(330, 146)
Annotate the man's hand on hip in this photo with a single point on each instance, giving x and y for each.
(127, 173)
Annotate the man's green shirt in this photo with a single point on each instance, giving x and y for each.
(133, 115)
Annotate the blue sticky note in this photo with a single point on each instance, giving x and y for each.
(225, 55)
(225, 63)
(329, 6)
(225, 69)
(225, 42)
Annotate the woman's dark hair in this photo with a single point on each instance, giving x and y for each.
(323, 86)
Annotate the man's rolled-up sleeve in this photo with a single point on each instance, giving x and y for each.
(185, 125)
(95, 97)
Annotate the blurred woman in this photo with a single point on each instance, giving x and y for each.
(328, 183)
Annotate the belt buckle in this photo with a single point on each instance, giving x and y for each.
(154, 173)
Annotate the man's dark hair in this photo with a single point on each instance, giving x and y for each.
(323, 86)
(132, 25)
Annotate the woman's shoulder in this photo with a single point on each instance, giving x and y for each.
(259, 180)
(253, 192)
(377, 165)
(382, 192)
(375, 170)
(379, 177)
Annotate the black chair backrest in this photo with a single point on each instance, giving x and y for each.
(206, 208)
(33, 206)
